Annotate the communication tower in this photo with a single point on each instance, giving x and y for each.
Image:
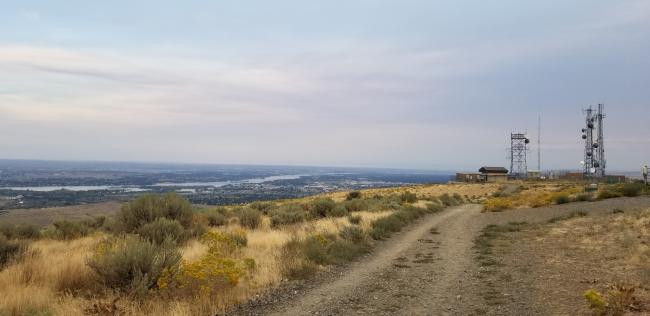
(518, 150)
(593, 135)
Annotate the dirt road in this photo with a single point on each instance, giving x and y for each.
(414, 273)
(430, 269)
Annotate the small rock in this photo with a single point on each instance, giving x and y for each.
(458, 297)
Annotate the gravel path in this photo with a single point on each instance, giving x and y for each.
(428, 269)
(414, 273)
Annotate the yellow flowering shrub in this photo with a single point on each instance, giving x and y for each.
(217, 270)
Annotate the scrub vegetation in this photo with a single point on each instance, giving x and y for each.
(544, 194)
(160, 255)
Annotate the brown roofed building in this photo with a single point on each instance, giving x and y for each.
(494, 174)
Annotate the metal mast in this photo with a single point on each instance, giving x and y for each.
(594, 163)
(518, 150)
(539, 144)
(599, 158)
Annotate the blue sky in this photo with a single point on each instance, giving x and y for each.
(411, 84)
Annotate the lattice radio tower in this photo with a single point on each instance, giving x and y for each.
(518, 151)
(592, 134)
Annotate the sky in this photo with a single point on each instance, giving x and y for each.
(370, 83)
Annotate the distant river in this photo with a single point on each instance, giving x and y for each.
(224, 183)
(48, 188)
(216, 184)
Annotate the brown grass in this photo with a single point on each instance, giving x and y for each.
(55, 279)
(532, 196)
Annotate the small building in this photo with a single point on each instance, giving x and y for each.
(534, 174)
(469, 177)
(574, 176)
(494, 174)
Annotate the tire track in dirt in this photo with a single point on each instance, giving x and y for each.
(418, 272)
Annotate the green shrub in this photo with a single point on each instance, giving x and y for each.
(353, 195)
(561, 198)
(458, 198)
(631, 189)
(356, 205)
(315, 249)
(287, 214)
(131, 264)
(448, 200)
(294, 264)
(340, 251)
(263, 207)
(354, 219)
(249, 217)
(584, 197)
(238, 237)
(434, 207)
(408, 197)
(353, 234)
(322, 207)
(68, 230)
(327, 249)
(385, 226)
(338, 211)
(10, 250)
(20, 231)
(149, 207)
(608, 193)
(163, 229)
(216, 219)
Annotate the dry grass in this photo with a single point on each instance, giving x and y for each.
(55, 279)
(614, 253)
(40, 281)
(430, 190)
(536, 195)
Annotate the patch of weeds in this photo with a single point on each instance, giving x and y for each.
(354, 219)
(401, 266)
(10, 250)
(561, 198)
(617, 211)
(249, 217)
(353, 195)
(484, 243)
(287, 214)
(619, 300)
(408, 197)
(567, 217)
(385, 226)
(584, 197)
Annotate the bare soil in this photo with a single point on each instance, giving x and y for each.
(431, 268)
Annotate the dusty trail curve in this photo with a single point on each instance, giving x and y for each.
(418, 272)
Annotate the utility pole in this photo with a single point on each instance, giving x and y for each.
(539, 144)
(644, 172)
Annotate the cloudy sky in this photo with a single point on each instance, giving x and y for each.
(408, 83)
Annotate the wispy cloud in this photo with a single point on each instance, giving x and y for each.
(344, 92)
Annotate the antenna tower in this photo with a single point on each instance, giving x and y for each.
(518, 150)
(539, 144)
(593, 135)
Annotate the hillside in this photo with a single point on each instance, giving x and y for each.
(410, 250)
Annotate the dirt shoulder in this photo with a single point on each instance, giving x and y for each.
(541, 261)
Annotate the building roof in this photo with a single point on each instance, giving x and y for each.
(493, 170)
